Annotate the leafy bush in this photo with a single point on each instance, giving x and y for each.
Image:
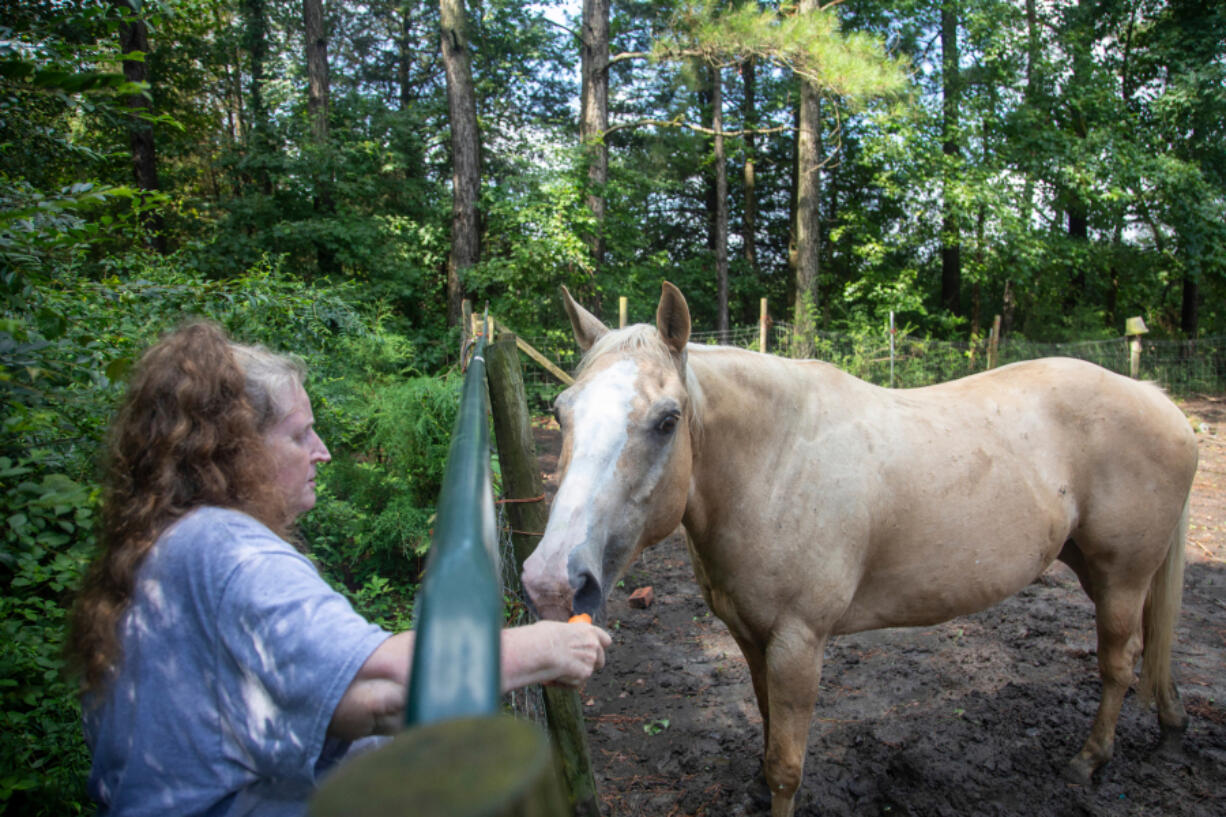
(66, 343)
(47, 538)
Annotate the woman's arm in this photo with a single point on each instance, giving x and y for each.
(374, 702)
(535, 653)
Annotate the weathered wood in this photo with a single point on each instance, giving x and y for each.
(763, 317)
(1134, 328)
(466, 328)
(521, 475)
(465, 152)
(994, 343)
(521, 480)
(545, 362)
(564, 714)
(491, 766)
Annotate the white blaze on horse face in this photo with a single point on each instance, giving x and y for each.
(598, 415)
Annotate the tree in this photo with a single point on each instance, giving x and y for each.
(255, 37)
(317, 68)
(808, 43)
(749, 211)
(465, 153)
(134, 45)
(720, 216)
(951, 249)
(317, 112)
(594, 120)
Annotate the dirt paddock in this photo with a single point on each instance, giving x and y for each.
(973, 717)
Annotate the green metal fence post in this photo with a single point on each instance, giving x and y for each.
(456, 658)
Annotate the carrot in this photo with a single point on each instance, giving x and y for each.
(581, 617)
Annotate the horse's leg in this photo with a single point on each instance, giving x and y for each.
(793, 670)
(756, 659)
(1118, 617)
(1172, 720)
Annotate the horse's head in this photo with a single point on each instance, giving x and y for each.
(624, 472)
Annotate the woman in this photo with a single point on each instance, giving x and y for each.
(221, 674)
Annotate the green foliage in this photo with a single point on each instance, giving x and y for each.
(535, 243)
(372, 522)
(852, 65)
(47, 523)
(66, 344)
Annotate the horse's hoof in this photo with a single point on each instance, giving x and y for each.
(759, 795)
(1170, 747)
(783, 807)
(1079, 771)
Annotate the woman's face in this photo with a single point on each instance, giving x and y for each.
(296, 449)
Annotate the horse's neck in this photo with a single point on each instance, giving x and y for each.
(753, 410)
(762, 397)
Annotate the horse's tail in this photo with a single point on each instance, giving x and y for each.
(1161, 613)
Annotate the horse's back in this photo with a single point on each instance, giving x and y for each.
(980, 482)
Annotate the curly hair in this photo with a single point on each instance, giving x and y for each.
(188, 433)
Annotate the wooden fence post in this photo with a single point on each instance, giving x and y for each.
(762, 318)
(1134, 328)
(621, 312)
(892, 332)
(994, 343)
(527, 513)
(466, 327)
(485, 766)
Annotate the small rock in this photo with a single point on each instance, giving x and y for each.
(642, 598)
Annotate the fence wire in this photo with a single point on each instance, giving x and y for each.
(1182, 367)
(527, 702)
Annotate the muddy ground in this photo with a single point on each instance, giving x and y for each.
(973, 717)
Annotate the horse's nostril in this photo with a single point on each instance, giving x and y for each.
(587, 595)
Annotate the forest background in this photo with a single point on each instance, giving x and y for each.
(333, 178)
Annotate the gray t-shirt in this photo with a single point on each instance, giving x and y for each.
(235, 655)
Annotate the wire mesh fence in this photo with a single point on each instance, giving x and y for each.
(526, 702)
(1182, 367)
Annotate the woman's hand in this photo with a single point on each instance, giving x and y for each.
(552, 651)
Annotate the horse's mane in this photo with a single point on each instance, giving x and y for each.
(644, 339)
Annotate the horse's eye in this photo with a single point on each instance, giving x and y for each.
(667, 425)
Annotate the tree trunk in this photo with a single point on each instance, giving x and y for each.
(134, 36)
(317, 69)
(1033, 85)
(233, 87)
(721, 197)
(951, 238)
(750, 211)
(403, 56)
(255, 35)
(1080, 42)
(1189, 313)
(465, 154)
(317, 110)
(808, 184)
(594, 121)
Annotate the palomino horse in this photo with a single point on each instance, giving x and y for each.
(815, 503)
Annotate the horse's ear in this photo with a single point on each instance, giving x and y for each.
(673, 320)
(587, 327)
